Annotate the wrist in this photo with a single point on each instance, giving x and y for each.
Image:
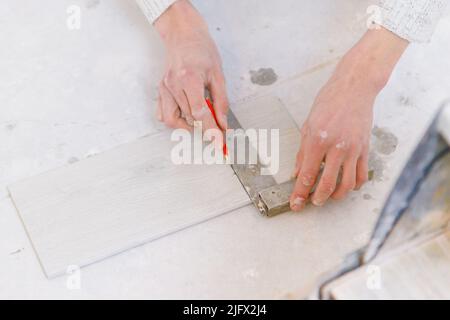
(372, 60)
(178, 19)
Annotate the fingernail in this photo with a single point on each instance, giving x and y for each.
(297, 204)
(318, 202)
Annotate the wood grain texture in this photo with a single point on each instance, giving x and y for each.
(95, 208)
(421, 271)
(269, 112)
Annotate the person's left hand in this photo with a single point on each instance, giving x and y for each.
(337, 130)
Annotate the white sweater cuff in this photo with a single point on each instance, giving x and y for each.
(413, 20)
(154, 8)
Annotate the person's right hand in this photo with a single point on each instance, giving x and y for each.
(193, 64)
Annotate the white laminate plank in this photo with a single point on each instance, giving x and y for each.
(92, 209)
(269, 112)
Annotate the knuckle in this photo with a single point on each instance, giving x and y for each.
(364, 143)
(307, 178)
(198, 113)
(342, 146)
(347, 186)
(171, 122)
(305, 130)
(327, 186)
(184, 71)
(303, 194)
(186, 74)
(355, 147)
(315, 140)
(320, 139)
(169, 79)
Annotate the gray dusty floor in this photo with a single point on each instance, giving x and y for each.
(65, 95)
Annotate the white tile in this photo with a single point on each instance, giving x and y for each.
(119, 199)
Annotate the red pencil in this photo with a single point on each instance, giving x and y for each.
(213, 112)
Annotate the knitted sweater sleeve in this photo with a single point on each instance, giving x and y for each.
(413, 20)
(154, 8)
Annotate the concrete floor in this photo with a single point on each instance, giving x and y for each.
(65, 95)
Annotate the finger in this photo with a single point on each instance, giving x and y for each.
(298, 163)
(328, 181)
(159, 115)
(200, 109)
(174, 86)
(189, 120)
(348, 181)
(218, 91)
(307, 177)
(300, 153)
(362, 170)
(170, 111)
